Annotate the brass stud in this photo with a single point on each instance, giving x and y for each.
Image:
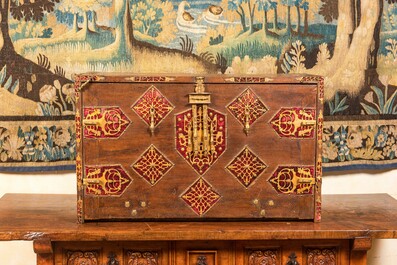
(263, 213)
(143, 204)
(134, 212)
(256, 201)
(271, 203)
(127, 204)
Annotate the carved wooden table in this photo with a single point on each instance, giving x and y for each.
(344, 236)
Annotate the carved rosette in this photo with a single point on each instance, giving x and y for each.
(110, 180)
(82, 257)
(247, 108)
(263, 257)
(293, 179)
(213, 137)
(246, 167)
(152, 107)
(104, 122)
(295, 122)
(142, 258)
(200, 196)
(321, 256)
(152, 165)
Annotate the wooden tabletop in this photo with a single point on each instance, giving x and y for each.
(37, 216)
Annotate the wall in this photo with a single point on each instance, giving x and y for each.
(383, 252)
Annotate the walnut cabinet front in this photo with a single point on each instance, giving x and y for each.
(191, 147)
(291, 252)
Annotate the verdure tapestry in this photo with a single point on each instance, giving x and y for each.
(352, 43)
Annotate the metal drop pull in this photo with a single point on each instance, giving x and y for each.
(152, 113)
(112, 259)
(247, 120)
(292, 259)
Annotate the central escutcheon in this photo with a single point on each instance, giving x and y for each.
(200, 131)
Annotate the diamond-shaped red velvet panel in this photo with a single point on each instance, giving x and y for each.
(152, 106)
(246, 167)
(247, 107)
(200, 196)
(152, 165)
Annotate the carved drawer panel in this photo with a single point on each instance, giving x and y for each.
(319, 256)
(288, 252)
(276, 252)
(89, 257)
(198, 148)
(113, 253)
(204, 253)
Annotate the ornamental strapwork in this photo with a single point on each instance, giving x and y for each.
(104, 122)
(200, 131)
(293, 179)
(109, 180)
(295, 122)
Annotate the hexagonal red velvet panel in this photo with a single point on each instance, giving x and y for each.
(109, 180)
(212, 141)
(295, 122)
(104, 122)
(293, 179)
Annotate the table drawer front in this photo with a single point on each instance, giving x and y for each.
(304, 252)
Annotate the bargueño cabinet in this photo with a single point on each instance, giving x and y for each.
(199, 148)
(192, 170)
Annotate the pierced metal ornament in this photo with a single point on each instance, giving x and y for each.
(200, 131)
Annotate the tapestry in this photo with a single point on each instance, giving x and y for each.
(352, 43)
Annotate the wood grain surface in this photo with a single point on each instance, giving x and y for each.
(36, 216)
